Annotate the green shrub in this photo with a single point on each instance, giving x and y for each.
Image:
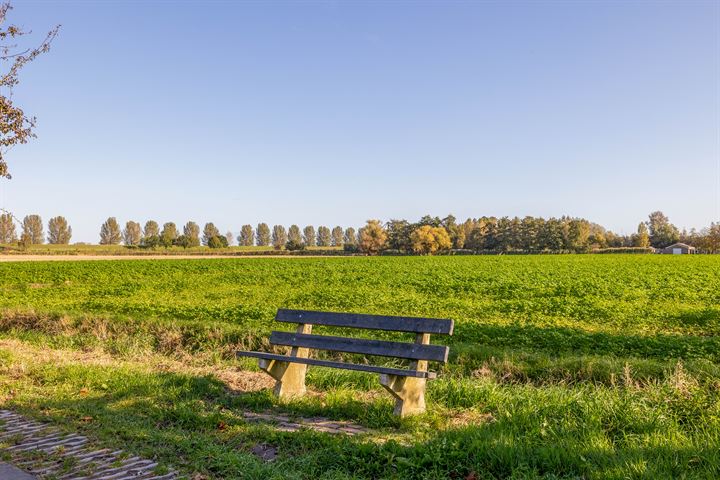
(294, 246)
(218, 241)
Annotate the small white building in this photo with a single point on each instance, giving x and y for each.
(678, 249)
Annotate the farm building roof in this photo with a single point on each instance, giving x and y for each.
(680, 245)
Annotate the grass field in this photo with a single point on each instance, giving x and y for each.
(561, 366)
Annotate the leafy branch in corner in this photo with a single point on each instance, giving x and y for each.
(15, 126)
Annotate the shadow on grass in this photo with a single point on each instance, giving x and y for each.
(194, 423)
(708, 317)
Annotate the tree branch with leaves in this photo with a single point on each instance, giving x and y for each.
(16, 127)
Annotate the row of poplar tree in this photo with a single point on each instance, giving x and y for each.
(151, 235)
(58, 230)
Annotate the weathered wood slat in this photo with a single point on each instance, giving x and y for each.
(373, 322)
(412, 351)
(342, 365)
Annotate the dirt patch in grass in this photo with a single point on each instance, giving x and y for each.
(467, 418)
(240, 381)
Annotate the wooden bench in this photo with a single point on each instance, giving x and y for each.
(407, 385)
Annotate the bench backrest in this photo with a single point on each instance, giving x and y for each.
(420, 351)
(371, 322)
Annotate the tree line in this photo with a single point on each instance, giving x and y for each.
(58, 230)
(533, 235)
(429, 235)
(151, 235)
(434, 234)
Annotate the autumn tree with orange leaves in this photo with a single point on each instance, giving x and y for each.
(427, 240)
(372, 237)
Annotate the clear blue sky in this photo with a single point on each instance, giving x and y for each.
(330, 113)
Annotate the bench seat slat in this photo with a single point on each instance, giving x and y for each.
(373, 322)
(411, 351)
(341, 365)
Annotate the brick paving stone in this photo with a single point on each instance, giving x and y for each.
(26, 438)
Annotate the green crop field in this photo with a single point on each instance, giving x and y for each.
(567, 366)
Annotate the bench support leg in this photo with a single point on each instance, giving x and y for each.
(409, 393)
(290, 377)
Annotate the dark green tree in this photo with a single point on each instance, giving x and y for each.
(662, 232)
(398, 234)
(293, 246)
(217, 241)
(476, 239)
(492, 236)
(550, 235)
(506, 234)
(209, 232)
(428, 220)
(528, 232)
(456, 232)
